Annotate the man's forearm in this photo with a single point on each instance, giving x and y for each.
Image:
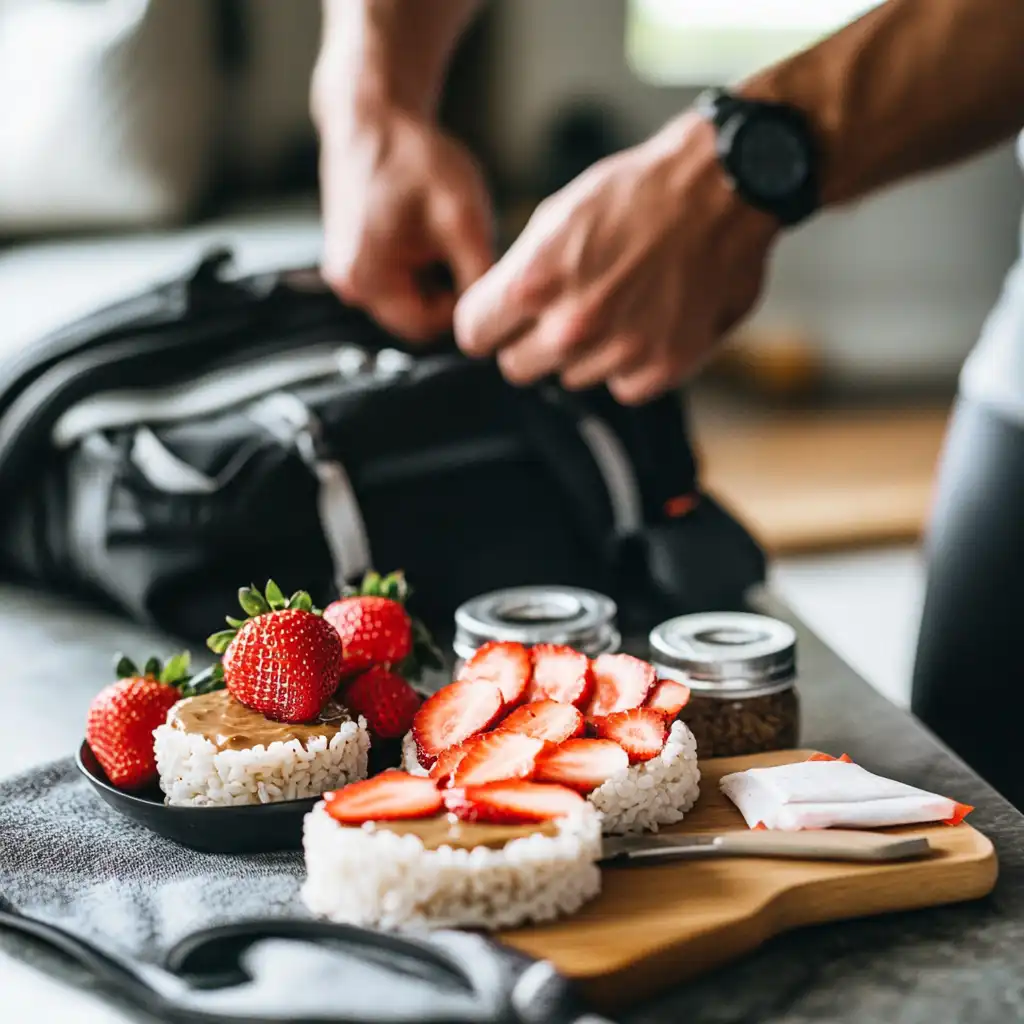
(392, 50)
(911, 86)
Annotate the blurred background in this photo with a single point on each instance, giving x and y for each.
(135, 132)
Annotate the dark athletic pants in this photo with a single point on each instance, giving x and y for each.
(969, 673)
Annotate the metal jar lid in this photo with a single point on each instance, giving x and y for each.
(727, 654)
(538, 615)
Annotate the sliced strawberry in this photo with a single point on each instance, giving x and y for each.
(560, 673)
(390, 796)
(512, 803)
(446, 763)
(640, 732)
(495, 756)
(621, 683)
(547, 720)
(668, 697)
(582, 765)
(505, 664)
(453, 714)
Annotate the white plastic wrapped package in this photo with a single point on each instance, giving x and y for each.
(832, 793)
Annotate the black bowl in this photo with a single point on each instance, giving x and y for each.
(257, 828)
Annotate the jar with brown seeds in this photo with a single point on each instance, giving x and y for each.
(752, 725)
(741, 670)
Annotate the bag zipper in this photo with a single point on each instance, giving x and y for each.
(222, 389)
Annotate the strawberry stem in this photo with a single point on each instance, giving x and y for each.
(393, 586)
(124, 667)
(256, 603)
(275, 598)
(175, 672)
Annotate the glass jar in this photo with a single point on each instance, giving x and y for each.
(582, 619)
(741, 670)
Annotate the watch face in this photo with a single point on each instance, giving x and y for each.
(770, 157)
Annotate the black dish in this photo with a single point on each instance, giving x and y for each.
(258, 828)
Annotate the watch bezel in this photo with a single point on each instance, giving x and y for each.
(731, 115)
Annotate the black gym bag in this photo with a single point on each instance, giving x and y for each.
(214, 432)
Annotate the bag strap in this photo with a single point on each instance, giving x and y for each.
(291, 421)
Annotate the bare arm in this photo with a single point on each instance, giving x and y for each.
(399, 196)
(912, 86)
(393, 51)
(630, 275)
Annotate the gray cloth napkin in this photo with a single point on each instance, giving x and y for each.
(68, 858)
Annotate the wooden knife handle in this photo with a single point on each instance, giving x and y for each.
(823, 844)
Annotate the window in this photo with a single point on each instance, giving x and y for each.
(713, 42)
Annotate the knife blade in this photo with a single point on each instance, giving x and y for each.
(826, 844)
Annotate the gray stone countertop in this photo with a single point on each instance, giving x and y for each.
(960, 963)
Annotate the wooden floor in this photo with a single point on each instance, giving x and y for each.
(824, 480)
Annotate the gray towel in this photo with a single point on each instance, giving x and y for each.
(69, 859)
(66, 857)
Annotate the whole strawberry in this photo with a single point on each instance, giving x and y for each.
(284, 661)
(385, 700)
(375, 628)
(123, 715)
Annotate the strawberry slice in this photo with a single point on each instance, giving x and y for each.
(547, 720)
(446, 763)
(453, 714)
(505, 664)
(560, 673)
(668, 697)
(621, 683)
(512, 803)
(496, 756)
(582, 765)
(390, 796)
(640, 732)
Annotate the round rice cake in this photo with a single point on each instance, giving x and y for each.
(440, 872)
(644, 797)
(213, 751)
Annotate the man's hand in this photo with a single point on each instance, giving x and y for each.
(400, 198)
(627, 276)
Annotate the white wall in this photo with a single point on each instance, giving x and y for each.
(897, 287)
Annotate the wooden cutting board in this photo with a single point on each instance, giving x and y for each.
(657, 925)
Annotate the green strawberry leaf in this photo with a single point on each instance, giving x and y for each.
(177, 669)
(152, 668)
(301, 600)
(252, 602)
(234, 623)
(409, 668)
(275, 598)
(207, 681)
(218, 643)
(124, 667)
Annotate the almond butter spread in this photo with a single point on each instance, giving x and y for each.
(230, 725)
(462, 835)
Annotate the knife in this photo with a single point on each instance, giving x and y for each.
(821, 844)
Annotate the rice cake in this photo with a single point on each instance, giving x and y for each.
(644, 797)
(214, 751)
(439, 872)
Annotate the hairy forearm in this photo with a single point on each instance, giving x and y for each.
(394, 51)
(912, 86)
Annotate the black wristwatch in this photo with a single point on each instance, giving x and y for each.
(768, 153)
